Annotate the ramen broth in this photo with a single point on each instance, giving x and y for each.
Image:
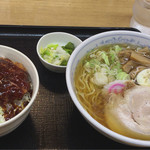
(107, 79)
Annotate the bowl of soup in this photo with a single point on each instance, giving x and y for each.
(19, 84)
(108, 79)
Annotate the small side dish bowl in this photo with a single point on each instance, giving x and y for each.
(16, 56)
(111, 37)
(60, 38)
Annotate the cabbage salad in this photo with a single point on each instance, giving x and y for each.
(56, 54)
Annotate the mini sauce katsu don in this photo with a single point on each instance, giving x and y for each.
(15, 88)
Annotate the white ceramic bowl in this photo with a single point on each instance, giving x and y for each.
(17, 56)
(111, 37)
(60, 38)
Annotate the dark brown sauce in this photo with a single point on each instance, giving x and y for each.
(14, 84)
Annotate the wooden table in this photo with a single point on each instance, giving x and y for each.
(54, 121)
(96, 13)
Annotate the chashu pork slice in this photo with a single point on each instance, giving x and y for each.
(130, 115)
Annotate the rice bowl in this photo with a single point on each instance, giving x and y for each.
(16, 56)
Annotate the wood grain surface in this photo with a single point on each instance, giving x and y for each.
(97, 13)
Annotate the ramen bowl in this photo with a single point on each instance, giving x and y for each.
(60, 38)
(111, 37)
(16, 56)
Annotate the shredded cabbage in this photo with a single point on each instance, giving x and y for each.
(100, 79)
(122, 76)
(105, 66)
(105, 58)
(112, 56)
(116, 48)
(52, 46)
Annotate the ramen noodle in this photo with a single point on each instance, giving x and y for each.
(113, 84)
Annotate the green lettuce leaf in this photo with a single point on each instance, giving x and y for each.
(69, 47)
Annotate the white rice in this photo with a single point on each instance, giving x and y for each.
(25, 98)
(2, 119)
